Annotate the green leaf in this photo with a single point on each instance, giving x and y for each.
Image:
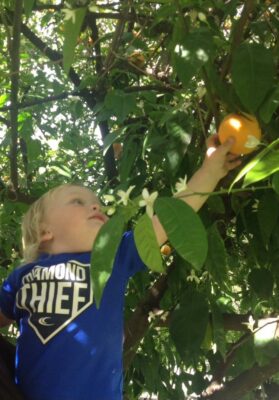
(62, 170)
(128, 159)
(264, 168)
(215, 204)
(261, 282)
(252, 74)
(3, 99)
(269, 106)
(147, 244)
(71, 31)
(34, 149)
(219, 335)
(120, 103)
(253, 163)
(268, 212)
(111, 138)
(189, 322)
(244, 358)
(216, 262)
(184, 229)
(103, 254)
(190, 54)
(28, 6)
(275, 182)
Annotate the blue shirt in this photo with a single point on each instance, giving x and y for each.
(67, 348)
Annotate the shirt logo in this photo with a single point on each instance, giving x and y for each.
(54, 296)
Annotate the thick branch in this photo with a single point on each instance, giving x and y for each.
(138, 324)
(91, 22)
(15, 64)
(8, 194)
(246, 382)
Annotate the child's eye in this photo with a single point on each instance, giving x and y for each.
(77, 201)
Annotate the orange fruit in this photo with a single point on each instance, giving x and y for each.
(165, 250)
(244, 128)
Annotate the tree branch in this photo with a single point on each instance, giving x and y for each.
(116, 38)
(245, 382)
(90, 97)
(237, 33)
(38, 101)
(15, 65)
(138, 324)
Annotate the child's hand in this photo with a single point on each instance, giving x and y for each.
(218, 160)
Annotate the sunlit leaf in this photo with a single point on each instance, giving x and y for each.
(191, 52)
(103, 254)
(147, 244)
(71, 31)
(264, 168)
(184, 229)
(254, 162)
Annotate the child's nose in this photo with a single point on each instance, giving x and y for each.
(95, 207)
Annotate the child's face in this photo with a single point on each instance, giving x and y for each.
(72, 220)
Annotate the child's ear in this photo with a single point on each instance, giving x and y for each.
(46, 234)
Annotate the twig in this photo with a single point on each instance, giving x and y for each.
(116, 39)
(38, 101)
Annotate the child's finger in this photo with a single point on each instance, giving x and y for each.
(232, 157)
(225, 147)
(232, 164)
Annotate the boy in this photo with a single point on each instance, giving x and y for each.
(67, 349)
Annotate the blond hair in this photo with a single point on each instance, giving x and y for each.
(31, 226)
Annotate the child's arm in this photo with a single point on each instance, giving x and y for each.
(217, 163)
(4, 321)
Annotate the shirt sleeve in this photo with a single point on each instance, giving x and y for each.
(129, 255)
(8, 296)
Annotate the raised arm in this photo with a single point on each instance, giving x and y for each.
(217, 163)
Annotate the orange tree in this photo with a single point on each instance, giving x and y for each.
(124, 93)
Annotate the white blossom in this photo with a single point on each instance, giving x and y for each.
(111, 211)
(148, 201)
(124, 196)
(251, 323)
(193, 277)
(181, 185)
(109, 198)
(69, 14)
(251, 142)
